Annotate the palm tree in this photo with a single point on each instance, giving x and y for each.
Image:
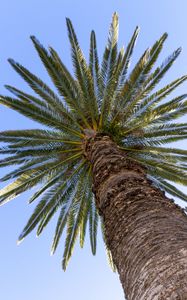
(102, 159)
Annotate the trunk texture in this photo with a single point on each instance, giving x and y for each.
(145, 231)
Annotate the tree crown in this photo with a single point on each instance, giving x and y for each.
(99, 99)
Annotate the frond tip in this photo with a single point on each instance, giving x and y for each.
(98, 99)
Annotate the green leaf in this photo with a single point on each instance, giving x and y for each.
(126, 59)
(169, 171)
(148, 103)
(165, 129)
(107, 69)
(108, 252)
(74, 219)
(158, 74)
(31, 164)
(95, 69)
(38, 114)
(167, 187)
(30, 179)
(93, 225)
(83, 74)
(51, 201)
(136, 78)
(39, 87)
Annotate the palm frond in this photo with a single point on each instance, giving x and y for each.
(144, 66)
(74, 219)
(158, 150)
(126, 59)
(108, 252)
(133, 84)
(64, 203)
(95, 69)
(62, 79)
(148, 103)
(108, 66)
(93, 225)
(129, 88)
(167, 187)
(160, 167)
(85, 218)
(31, 178)
(154, 53)
(158, 74)
(35, 135)
(83, 75)
(39, 87)
(86, 209)
(164, 110)
(165, 129)
(50, 201)
(51, 180)
(110, 52)
(31, 164)
(134, 141)
(37, 114)
(28, 98)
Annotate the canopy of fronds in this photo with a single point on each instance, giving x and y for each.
(103, 98)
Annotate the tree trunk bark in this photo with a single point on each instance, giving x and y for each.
(145, 231)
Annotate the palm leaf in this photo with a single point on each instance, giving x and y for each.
(60, 77)
(151, 101)
(64, 203)
(165, 129)
(169, 171)
(74, 219)
(158, 74)
(83, 74)
(95, 69)
(167, 187)
(39, 87)
(37, 114)
(107, 69)
(108, 252)
(34, 163)
(52, 199)
(31, 178)
(126, 59)
(93, 225)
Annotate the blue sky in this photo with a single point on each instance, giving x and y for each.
(27, 271)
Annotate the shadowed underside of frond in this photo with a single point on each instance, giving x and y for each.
(99, 99)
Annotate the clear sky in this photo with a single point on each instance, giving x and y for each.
(27, 271)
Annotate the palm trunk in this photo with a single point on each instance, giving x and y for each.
(145, 231)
